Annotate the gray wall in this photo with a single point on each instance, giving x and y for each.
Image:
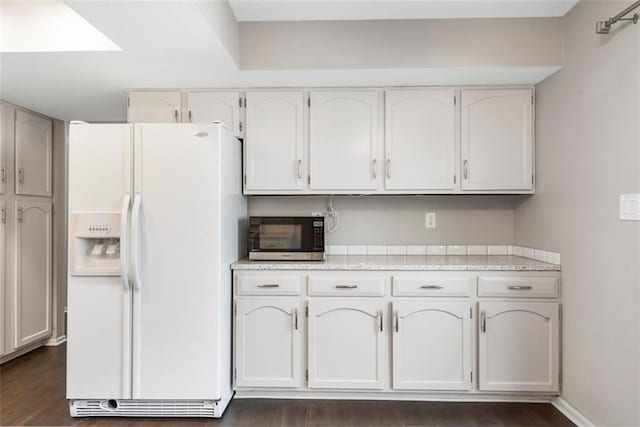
(588, 152)
(400, 219)
(512, 42)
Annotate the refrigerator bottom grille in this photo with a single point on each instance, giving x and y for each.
(143, 408)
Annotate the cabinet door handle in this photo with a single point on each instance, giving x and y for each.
(466, 169)
(20, 176)
(520, 287)
(395, 318)
(19, 217)
(432, 287)
(269, 285)
(190, 116)
(374, 167)
(299, 169)
(175, 115)
(380, 319)
(3, 174)
(295, 319)
(346, 286)
(483, 321)
(388, 168)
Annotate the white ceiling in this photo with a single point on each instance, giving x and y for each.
(330, 10)
(172, 45)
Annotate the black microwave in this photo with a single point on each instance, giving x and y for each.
(277, 238)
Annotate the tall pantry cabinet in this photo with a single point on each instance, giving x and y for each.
(25, 229)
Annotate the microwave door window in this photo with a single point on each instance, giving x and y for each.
(281, 237)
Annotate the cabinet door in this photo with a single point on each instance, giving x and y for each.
(346, 344)
(420, 140)
(432, 345)
(497, 139)
(519, 346)
(33, 145)
(274, 141)
(32, 289)
(268, 342)
(344, 141)
(154, 107)
(207, 107)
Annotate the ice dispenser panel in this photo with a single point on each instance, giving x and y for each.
(95, 244)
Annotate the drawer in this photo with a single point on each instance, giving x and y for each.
(347, 285)
(518, 287)
(269, 284)
(432, 286)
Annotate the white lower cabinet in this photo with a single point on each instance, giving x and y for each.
(268, 342)
(519, 346)
(32, 289)
(432, 345)
(346, 343)
(396, 335)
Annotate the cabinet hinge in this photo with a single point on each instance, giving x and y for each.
(240, 102)
(235, 309)
(471, 376)
(306, 375)
(308, 179)
(454, 178)
(245, 179)
(128, 102)
(235, 374)
(306, 311)
(531, 179)
(240, 126)
(531, 99)
(309, 102)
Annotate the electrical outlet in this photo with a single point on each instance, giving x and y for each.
(430, 220)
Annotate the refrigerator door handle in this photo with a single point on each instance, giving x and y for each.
(135, 237)
(124, 241)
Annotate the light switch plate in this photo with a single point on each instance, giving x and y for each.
(630, 207)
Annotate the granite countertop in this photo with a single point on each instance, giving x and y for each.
(406, 263)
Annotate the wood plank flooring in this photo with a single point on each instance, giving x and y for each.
(32, 392)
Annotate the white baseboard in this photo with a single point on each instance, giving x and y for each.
(571, 413)
(52, 342)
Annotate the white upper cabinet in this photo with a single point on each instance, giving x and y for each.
(154, 107)
(32, 286)
(268, 342)
(33, 152)
(346, 343)
(207, 107)
(274, 143)
(344, 141)
(519, 346)
(431, 345)
(497, 140)
(420, 140)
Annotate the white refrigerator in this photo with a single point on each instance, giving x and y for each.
(156, 217)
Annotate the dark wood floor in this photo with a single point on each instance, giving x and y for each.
(32, 392)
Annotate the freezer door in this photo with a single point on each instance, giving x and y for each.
(99, 308)
(175, 245)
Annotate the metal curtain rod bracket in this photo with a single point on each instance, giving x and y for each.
(603, 27)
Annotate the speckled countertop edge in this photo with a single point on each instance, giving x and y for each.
(405, 263)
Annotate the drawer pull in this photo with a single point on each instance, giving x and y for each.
(520, 287)
(483, 321)
(295, 319)
(269, 285)
(346, 286)
(432, 287)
